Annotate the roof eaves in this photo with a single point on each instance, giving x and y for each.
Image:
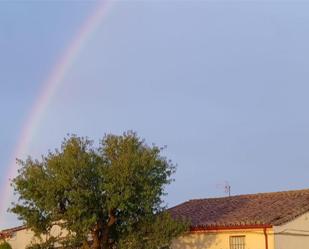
(288, 219)
(229, 227)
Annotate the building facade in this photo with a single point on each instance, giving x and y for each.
(277, 220)
(21, 237)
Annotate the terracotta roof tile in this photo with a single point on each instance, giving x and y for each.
(8, 232)
(274, 209)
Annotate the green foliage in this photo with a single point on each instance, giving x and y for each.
(5, 245)
(49, 244)
(153, 233)
(113, 192)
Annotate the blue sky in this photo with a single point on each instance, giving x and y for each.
(223, 84)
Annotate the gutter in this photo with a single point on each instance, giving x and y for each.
(266, 238)
(229, 227)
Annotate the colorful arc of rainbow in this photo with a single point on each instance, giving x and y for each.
(49, 88)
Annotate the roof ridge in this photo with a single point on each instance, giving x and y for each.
(273, 208)
(250, 195)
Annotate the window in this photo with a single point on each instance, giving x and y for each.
(237, 242)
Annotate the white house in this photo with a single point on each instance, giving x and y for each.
(277, 220)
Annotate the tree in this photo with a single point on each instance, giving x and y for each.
(112, 193)
(5, 245)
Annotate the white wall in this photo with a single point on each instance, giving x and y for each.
(24, 237)
(294, 234)
(255, 239)
(20, 239)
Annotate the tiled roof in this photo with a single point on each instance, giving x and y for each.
(8, 232)
(14, 229)
(270, 209)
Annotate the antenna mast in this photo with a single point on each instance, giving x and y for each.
(227, 188)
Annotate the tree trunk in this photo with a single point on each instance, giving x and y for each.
(85, 245)
(105, 238)
(95, 241)
(106, 230)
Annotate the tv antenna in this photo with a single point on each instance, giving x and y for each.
(226, 186)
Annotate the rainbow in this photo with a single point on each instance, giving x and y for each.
(48, 90)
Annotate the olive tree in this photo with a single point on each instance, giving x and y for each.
(105, 197)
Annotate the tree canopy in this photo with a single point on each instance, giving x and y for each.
(105, 197)
(5, 245)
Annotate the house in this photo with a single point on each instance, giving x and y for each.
(17, 237)
(277, 220)
(20, 237)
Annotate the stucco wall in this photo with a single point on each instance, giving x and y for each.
(255, 239)
(293, 235)
(22, 238)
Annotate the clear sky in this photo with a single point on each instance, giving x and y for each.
(224, 84)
